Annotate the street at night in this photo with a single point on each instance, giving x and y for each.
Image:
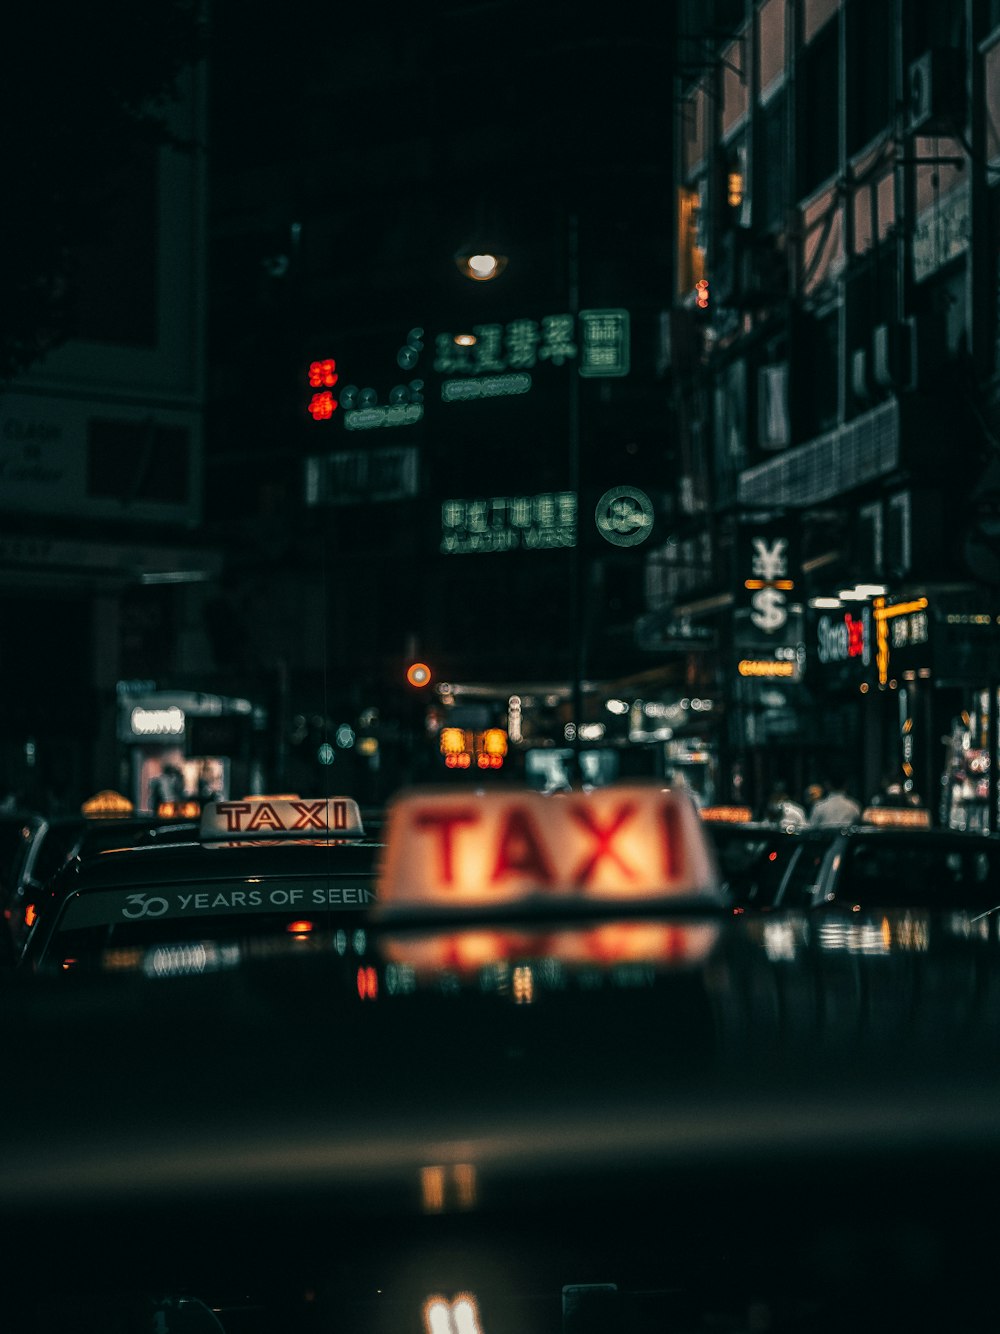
(500, 562)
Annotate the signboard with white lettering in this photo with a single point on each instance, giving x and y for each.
(624, 516)
(769, 573)
(82, 457)
(509, 523)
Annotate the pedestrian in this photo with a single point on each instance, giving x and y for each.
(814, 791)
(783, 810)
(836, 807)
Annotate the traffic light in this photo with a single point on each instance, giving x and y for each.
(418, 674)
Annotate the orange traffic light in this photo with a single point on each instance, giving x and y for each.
(418, 674)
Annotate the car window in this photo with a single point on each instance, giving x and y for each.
(901, 872)
(55, 846)
(803, 873)
(752, 866)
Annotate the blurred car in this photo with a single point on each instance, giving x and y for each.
(105, 820)
(18, 830)
(904, 865)
(763, 867)
(261, 867)
(558, 1089)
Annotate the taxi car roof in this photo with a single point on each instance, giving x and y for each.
(155, 863)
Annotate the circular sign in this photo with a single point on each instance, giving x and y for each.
(624, 516)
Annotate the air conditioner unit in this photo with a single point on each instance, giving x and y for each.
(936, 90)
(859, 373)
(773, 421)
(894, 348)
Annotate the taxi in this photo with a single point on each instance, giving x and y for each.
(106, 819)
(282, 866)
(898, 860)
(554, 1085)
(764, 867)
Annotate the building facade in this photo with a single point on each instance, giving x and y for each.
(834, 390)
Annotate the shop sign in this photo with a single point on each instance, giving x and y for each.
(900, 627)
(624, 516)
(769, 582)
(509, 523)
(842, 637)
(773, 669)
(597, 339)
(154, 724)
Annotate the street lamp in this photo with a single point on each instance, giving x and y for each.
(482, 265)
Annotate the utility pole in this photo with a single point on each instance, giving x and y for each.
(577, 610)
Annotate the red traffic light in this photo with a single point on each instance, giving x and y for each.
(418, 674)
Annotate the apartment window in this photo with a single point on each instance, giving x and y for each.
(815, 15)
(137, 461)
(991, 84)
(868, 108)
(771, 47)
(822, 241)
(874, 212)
(694, 130)
(730, 418)
(817, 91)
(814, 374)
(873, 202)
(770, 185)
(735, 81)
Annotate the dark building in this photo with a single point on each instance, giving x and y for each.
(834, 387)
(444, 509)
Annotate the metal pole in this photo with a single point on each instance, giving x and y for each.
(993, 747)
(577, 609)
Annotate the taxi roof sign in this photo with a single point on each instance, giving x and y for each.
(105, 804)
(281, 817)
(625, 845)
(727, 814)
(899, 817)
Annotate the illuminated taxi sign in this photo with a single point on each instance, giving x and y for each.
(179, 810)
(899, 817)
(726, 814)
(106, 803)
(276, 817)
(628, 844)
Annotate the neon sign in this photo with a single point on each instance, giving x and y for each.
(840, 640)
(509, 523)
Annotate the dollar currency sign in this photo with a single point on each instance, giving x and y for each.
(768, 609)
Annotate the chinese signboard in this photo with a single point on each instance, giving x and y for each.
(487, 361)
(604, 336)
(509, 523)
